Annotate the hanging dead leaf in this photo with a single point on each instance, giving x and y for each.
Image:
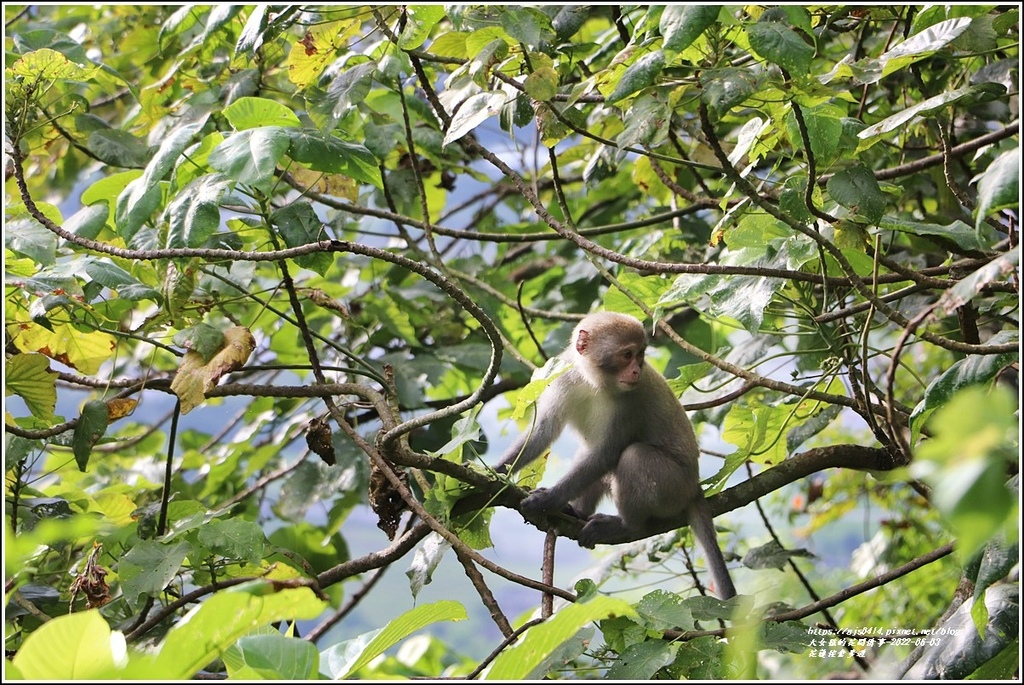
(318, 438)
(92, 581)
(385, 501)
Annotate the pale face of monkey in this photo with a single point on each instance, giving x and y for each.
(616, 360)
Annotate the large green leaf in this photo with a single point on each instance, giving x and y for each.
(299, 224)
(78, 646)
(999, 185)
(251, 156)
(639, 75)
(195, 213)
(642, 660)
(921, 109)
(857, 190)
(272, 657)
(520, 660)
(781, 45)
(91, 426)
(327, 153)
(345, 659)
(252, 112)
(142, 196)
(973, 369)
(682, 23)
(112, 276)
(209, 629)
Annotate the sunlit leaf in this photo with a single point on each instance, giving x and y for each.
(29, 377)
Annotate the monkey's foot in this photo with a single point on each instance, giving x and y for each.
(602, 529)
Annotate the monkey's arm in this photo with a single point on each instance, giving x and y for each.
(547, 425)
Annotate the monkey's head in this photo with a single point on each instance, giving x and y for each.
(610, 350)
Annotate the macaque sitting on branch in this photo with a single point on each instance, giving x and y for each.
(637, 444)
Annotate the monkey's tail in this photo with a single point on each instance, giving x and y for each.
(703, 527)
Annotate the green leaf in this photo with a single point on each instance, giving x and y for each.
(541, 379)
(916, 47)
(683, 23)
(127, 287)
(346, 91)
(24, 235)
(662, 610)
(343, 662)
(324, 152)
(203, 338)
(723, 89)
(542, 84)
(646, 122)
(642, 660)
(251, 38)
(824, 130)
(857, 190)
(974, 369)
(527, 25)
(149, 567)
(419, 21)
(78, 646)
(88, 221)
(915, 112)
(972, 285)
(299, 224)
(118, 148)
(207, 631)
(272, 657)
(253, 112)
(518, 661)
(251, 156)
(641, 74)
(92, 424)
(568, 20)
(29, 377)
(234, 539)
(999, 185)
(140, 197)
(195, 212)
(958, 232)
(975, 438)
(473, 112)
(781, 45)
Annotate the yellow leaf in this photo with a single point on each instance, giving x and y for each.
(119, 407)
(85, 352)
(29, 377)
(194, 378)
(311, 55)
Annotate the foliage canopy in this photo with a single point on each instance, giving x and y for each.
(267, 264)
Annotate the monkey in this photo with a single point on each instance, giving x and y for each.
(637, 444)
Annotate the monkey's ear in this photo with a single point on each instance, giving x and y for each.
(582, 340)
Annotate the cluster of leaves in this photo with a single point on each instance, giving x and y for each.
(346, 223)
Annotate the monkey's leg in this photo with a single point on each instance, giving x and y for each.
(585, 505)
(647, 485)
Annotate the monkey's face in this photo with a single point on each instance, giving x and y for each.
(619, 367)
